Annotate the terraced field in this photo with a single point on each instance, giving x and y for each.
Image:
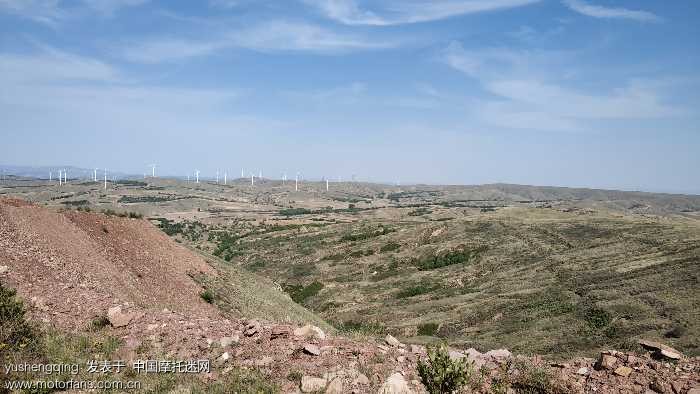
(552, 271)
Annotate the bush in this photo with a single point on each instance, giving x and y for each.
(208, 296)
(389, 247)
(300, 293)
(440, 374)
(448, 258)
(428, 329)
(16, 333)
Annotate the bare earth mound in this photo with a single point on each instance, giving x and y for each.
(76, 265)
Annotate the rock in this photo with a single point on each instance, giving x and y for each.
(264, 362)
(498, 316)
(416, 349)
(4, 269)
(694, 390)
(623, 371)
(400, 359)
(661, 350)
(582, 371)
(312, 349)
(455, 355)
(391, 341)
(228, 341)
(117, 318)
(335, 386)
(252, 328)
(309, 384)
(499, 354)
(224, 357)
(395, 384)
(606, 361)
(279, 332)
(309, 330)
(361, 379)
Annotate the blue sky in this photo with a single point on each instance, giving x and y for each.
(594, 93)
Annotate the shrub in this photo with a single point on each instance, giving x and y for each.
(414, 291)
(300, 293)
(440, 374)
(389, 247)
(99, 323)
(208, 296)
(429, 329)
(447, 258)
(15, 332)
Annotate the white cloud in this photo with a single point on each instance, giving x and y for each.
(54, 12)
(285, 36)
(597, 11)
(54, 65)
(408, 11)
(525, 97)
(275, 36)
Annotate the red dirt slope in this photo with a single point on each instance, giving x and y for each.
(73, 266)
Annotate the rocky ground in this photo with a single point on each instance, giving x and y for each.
(74, 267)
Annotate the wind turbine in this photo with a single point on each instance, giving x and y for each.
(296, 182)
(242, 175)
(60, 178)
(188, 177)
(153, 170)
(252, 180)
(260, 174)
(65, 176)
(94, 175)
(217, 177)
(284, 178)
(50, 175)
(225, 177)
(105, 179)
(196, 173)
(326, 184)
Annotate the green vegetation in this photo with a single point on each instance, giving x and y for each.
(294, 211)
(76, 203)
(524, 378)
(390, 247)
(414, 290)
(130, 182)
(208, 296)
(145, 199)
(367, 233)
(442, 375)
(445, 259)
(301, 293)
(428, 329)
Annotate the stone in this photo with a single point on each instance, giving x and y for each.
(224, 357)
(391, 341)
(694, 390)
(228, 341)
(264, 362)
(252, 328)
(395, 384)
(361, 379)
(417, 349)
(661, 350)
(499, 354)
(401, 359)
(455, 355)
(310, 384)
(582, 371)
(335, 386)
(623, 371)
(279, 332)
(4, 269)
(606, 361)
(310, 331)
(117, 318)
(312, 349)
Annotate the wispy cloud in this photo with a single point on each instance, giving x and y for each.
(527, 99)
(274, 36)
(597, 11)
(408, 11)
(52, 65)
(54, 12)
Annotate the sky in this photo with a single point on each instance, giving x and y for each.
(582, 93)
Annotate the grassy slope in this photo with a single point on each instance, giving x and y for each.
(245, 294)
(549, 282)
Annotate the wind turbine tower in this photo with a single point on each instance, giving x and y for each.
(225, 177)
(153, 170)
(217, 177)
(105, 179)
(94, 175)
(196, 174)
(252, 180)
(326, 184)
(65, 176)
(296, 183)
(60, 178)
